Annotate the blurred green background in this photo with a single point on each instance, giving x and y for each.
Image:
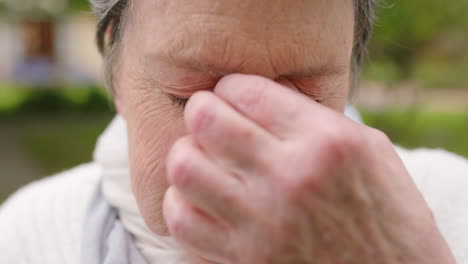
(52, 106)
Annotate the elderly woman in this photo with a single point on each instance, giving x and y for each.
(231, 147)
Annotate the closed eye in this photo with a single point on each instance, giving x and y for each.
(179, 101)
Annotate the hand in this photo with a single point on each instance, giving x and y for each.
(270, 176)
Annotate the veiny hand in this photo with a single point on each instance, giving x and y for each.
(269, 176)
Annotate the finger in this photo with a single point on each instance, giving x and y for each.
(194, 229)
(229, 138)
(281, 111)
(203, 183)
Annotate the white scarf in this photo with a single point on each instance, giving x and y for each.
(112, 155)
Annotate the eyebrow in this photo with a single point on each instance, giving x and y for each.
(219, 70)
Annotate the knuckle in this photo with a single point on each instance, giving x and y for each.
(175, 214)
(379, 141)
(199, 111)
(178, 225)
(179, 164)
(342, 142)
(299, 187)
(299, 177)
(379, 136)
(228, 198)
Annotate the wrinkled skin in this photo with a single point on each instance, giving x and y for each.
(262, 166)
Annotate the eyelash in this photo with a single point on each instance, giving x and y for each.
(178, 100)
(183, 101)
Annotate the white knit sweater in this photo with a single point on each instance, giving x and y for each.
(42, 222)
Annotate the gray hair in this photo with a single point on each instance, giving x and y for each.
(111, 15)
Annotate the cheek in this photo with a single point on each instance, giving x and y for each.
(154, 124)
(338, 97)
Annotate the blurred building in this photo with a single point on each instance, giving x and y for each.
(43, 44)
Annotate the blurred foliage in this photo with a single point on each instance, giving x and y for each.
(15, 100)
(58, 127)
(61, 141)
(79, 5)
(421, 40)
(418, 128)
(54, 142)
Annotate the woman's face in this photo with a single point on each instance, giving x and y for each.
(173, 48)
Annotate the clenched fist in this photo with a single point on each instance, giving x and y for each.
(269, 176)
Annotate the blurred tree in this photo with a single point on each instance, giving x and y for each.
(420, 33)
(78, 5)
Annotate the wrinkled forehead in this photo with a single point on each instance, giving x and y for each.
(250, 10)
(286, 33)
